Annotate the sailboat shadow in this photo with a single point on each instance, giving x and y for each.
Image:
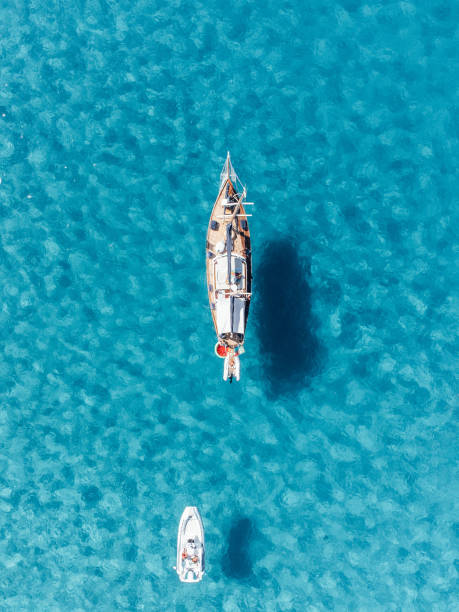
(286, 328)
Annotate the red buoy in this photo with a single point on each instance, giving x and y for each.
(221, 350)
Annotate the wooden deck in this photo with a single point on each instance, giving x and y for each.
(241, 245)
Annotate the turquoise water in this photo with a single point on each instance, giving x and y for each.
(326, 477)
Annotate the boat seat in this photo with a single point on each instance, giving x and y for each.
(222, 276)
(214, 225)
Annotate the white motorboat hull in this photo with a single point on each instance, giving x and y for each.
(190, 546)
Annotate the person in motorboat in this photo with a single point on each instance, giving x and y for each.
(189, 552)
(190, 558)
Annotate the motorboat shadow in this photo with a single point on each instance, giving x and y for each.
(290, 351)
(236, 562)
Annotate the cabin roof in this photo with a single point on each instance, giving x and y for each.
(238, 269)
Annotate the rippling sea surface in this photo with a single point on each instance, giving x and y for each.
(327, 477)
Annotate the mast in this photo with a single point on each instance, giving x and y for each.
(228, 173)
(228, 176)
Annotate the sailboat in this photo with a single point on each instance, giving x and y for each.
(190, 546)
(229, 269)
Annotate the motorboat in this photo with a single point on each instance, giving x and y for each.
(229, 269)
(190, 546)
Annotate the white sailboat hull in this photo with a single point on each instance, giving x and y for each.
(229, 268)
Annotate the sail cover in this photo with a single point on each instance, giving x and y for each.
(230, 310)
